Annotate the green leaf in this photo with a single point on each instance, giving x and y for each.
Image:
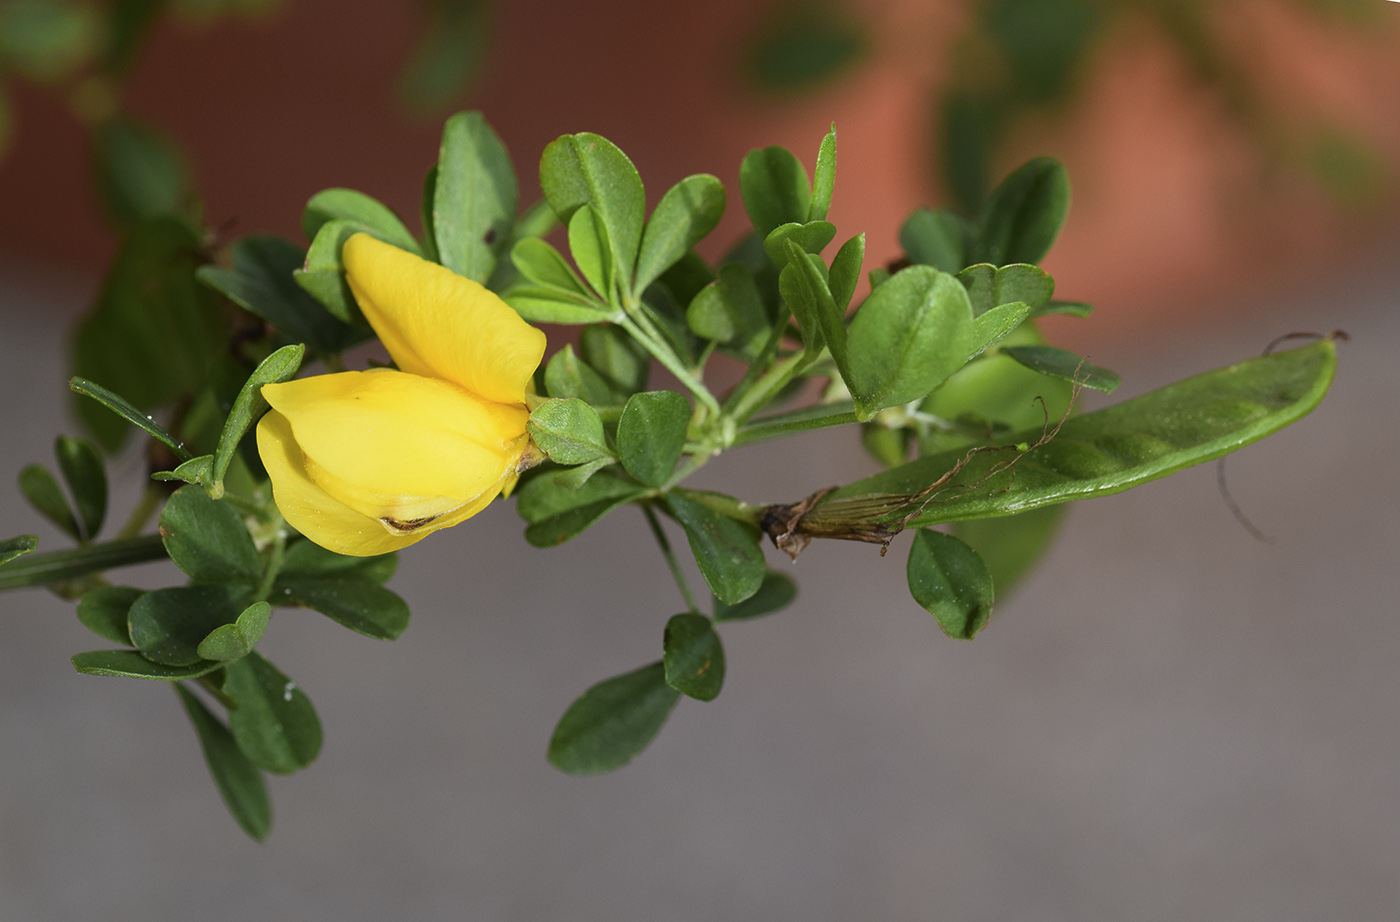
(249, 406)
(358, 604)
(1068, 308)
(972, 124)
(155, 332)
(775, 593)
(592, 251)
(909, 335)
(545, 266)
(229, 642)
(545, 304)
(685, 215)
(129, 22)
(11, 548)
(575, 477)
(264, 282)
(323, 273)
(349, 205)
(304, 558)
(168, 625)
(587, 169)
(140, 173)
(475, 197)
(996, 324)
(824, 177)
(425, 213)
(1058, 363)
(845, 271)
(451, 50)
(196, 470)
(811, 238)
(731, 310)
(567, 375)
(951, 582)
(207, 538)
(81, 464)
(556, 513)
(1011, 545)
(651, 434)
(274, 723)
(1023, 215)
(127, 411)
(105, 612)
(774, 188)
(568, 431)
(1110, 450)
(621, 360)
(612, 722)
(988, 286)
(694, 657)
(239, 782)
(805, 289)
(132, 665)
(43, 492)
(728, 553)
(935, 238)
(46, 40)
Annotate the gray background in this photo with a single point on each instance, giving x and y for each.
(1168, 721)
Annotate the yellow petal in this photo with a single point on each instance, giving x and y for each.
(438, 324)
(310, 509)
(398, 447)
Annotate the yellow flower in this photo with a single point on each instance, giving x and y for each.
(366, 462)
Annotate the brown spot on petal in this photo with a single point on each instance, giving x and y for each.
(406, 526)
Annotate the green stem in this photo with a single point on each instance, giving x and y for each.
(58, 566)
(760, 364)
(141, 514)
(670, 558)
(274, 566)
(818, 417)
(726, 505)
(770, 384)
(671, 363)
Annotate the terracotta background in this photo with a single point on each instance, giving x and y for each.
(1170, 218)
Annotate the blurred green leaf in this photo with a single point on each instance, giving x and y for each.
(305, 558)
(81, 464)
(805, 45)
(1011, 545)
(988, 286)
(693, 657)
(168, 625)
(568, 431)
(229, 642)
(1058, 363)
(587, 169)
(971, 126)
(1042, 41)
(239, 782)
(1068, 308)
(128, 24)
(43, 492)
(105, 611)
(731, 310)
(45, 39)
(140, 173)
(651, 434)
(935, 238)
(449, 55)
(567, 375)
(1350, 170)
(474, 198)
(1023, 214)
(154, 333)
(685, 215)
(612, 722)
(775, 593)
(727, 552)
(951, 582)
(775, 190)
(207, 538)
(11, 548)
(274, 723)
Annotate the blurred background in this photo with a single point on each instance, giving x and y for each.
(1169, 719)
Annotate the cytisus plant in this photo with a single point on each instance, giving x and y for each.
(299, 491)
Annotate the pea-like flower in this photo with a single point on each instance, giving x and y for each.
(365, 462)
